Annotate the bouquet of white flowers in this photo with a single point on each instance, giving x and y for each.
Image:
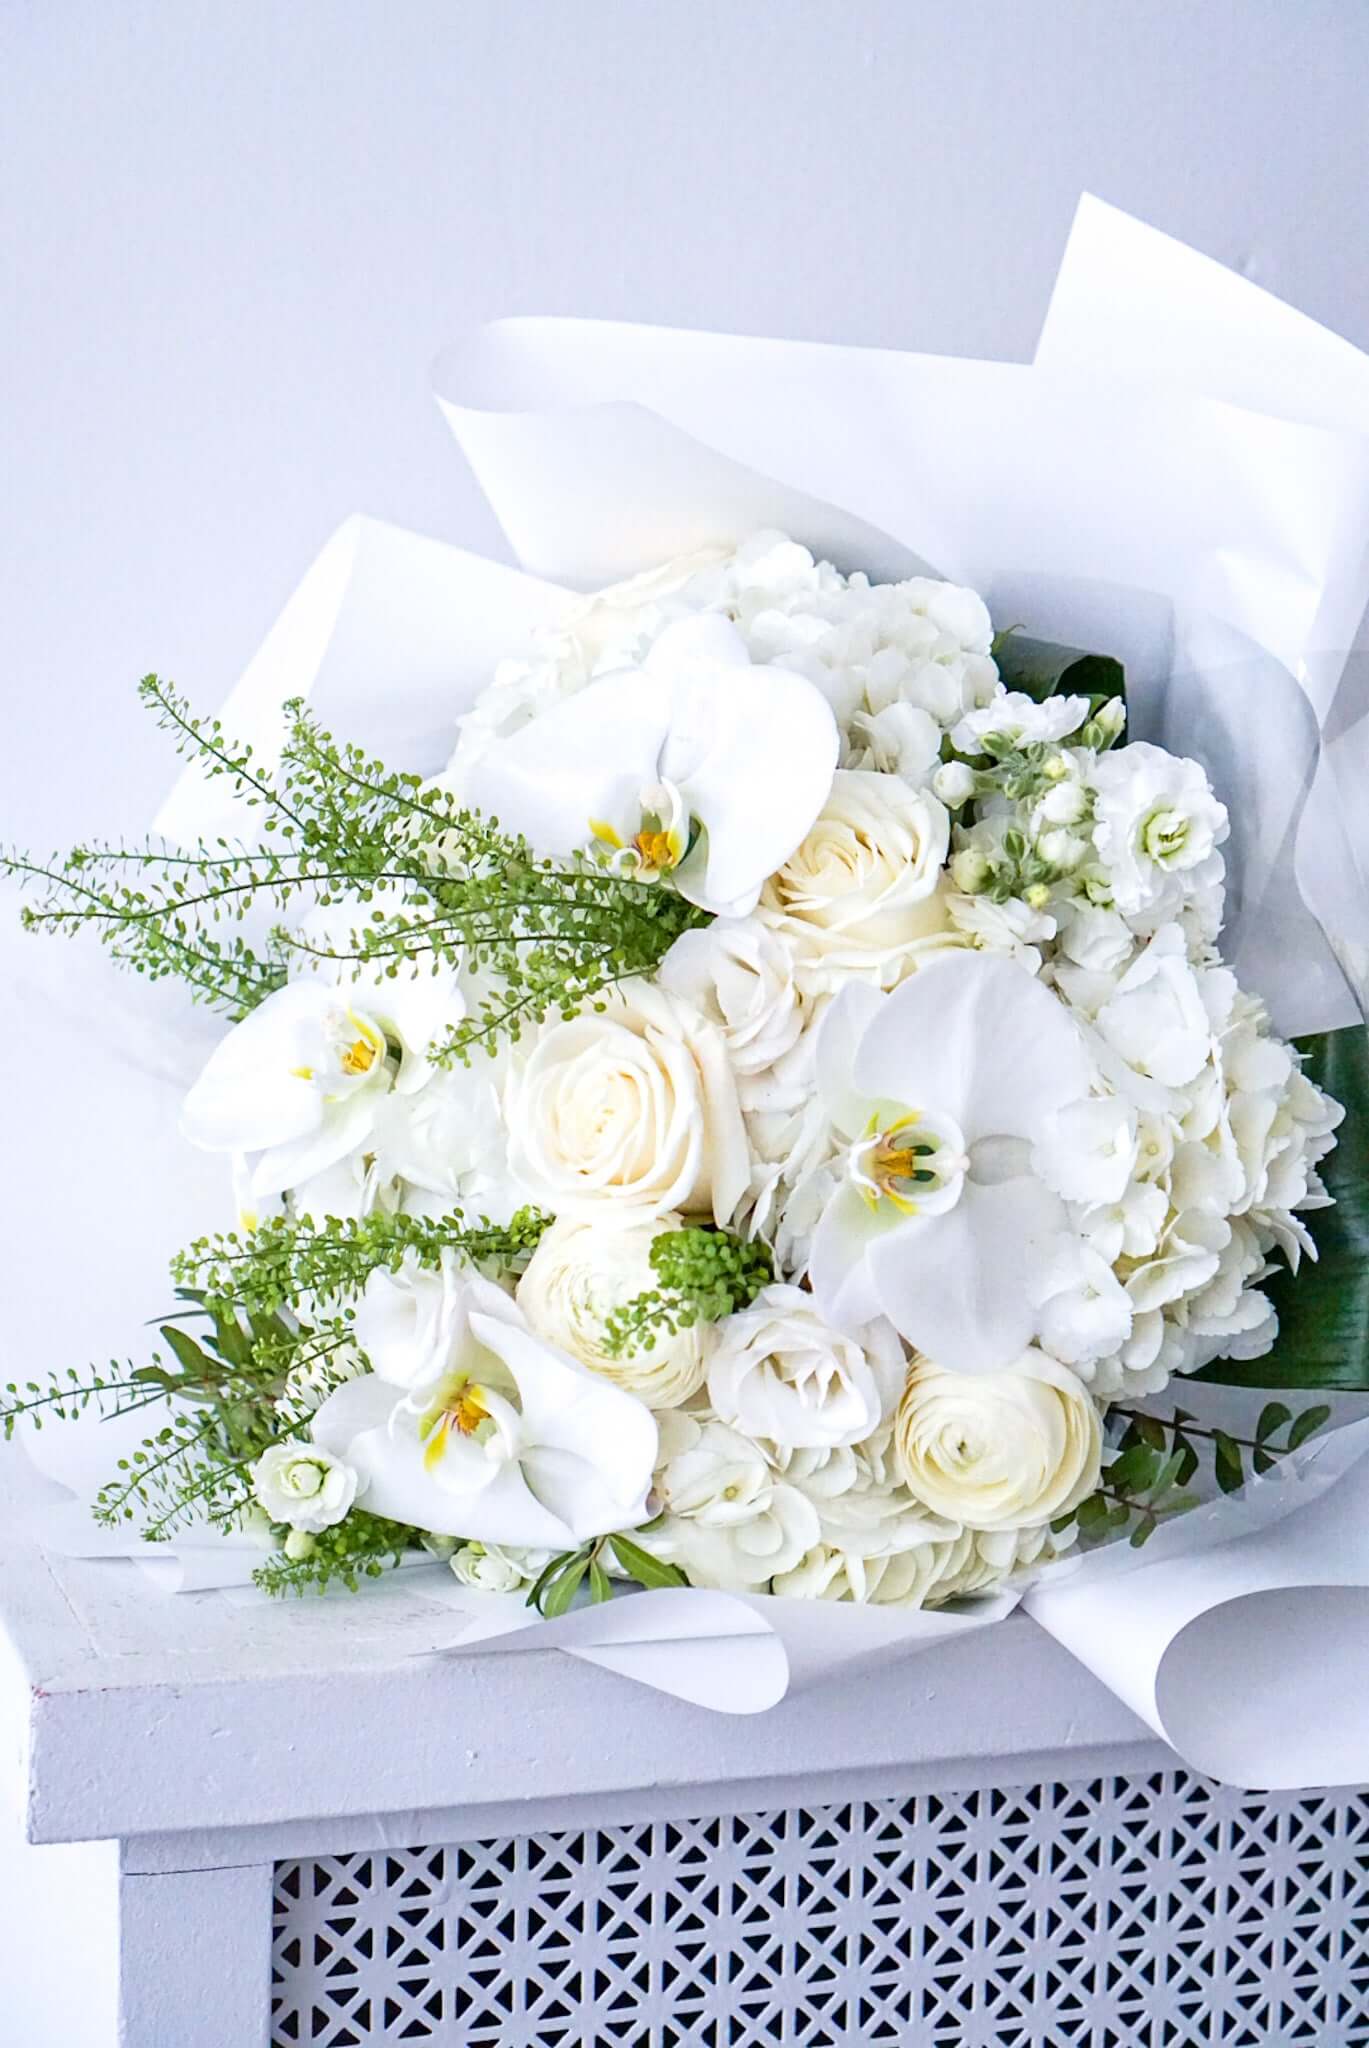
(763, 1110)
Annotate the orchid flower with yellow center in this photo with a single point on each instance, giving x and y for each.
(700, 765)
(946, 1093)
(510, 1441)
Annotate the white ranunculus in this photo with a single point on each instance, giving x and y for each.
(410, 1322)
(697, 764)
(298, 1083)
(633, 1107)
(861, 895)
(778, 1371)
(580, 1274)
(940, 1219)
(1014, 716)
(1157, 824)
(516, 1443)
(305, 1486)
(1155, 1019)
(1003, 1450)
(728, 1521)
(740, 975)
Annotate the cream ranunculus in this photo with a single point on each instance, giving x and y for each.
(862, 895)
(579, 1275)
(302, 1485)
(633, 1107)
(1002, 1450)
(778, 1371)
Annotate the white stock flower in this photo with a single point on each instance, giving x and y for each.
(728, 1521)
(304, 1486)
(1003, 1450)
(515, 1443)
(1157, 825)
(1014, 716)
(632, 1109)
(697, 764)
(941, 1220)
(579, 1275)
(298, 1083)
(861, 895)
(778, 1371)
(740, 975)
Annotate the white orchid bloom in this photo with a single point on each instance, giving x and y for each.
(699, 764)
(943, 1091)
(512, 1442)
(298, 1082)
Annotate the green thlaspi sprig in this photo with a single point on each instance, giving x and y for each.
(364, 1546)
(434, 886)
(704, 1274)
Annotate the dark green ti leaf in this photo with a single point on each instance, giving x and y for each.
(1045, 668)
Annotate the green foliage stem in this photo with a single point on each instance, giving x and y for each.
(705, 1275)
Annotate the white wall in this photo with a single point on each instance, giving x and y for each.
(234, 232)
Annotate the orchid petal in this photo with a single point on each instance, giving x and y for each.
(839, 1264)
(843, 1026)
(962, 1286)
(979, 1040)
(587, 759)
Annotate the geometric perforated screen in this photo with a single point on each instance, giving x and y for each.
(1127, 1913)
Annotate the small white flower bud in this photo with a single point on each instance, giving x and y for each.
(299, 1544)
(954, 783)
(970, 870)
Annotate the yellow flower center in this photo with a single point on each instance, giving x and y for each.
(657, 851)
(460, 1406)
(359, 1057)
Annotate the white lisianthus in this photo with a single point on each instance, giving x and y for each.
(498, 1567)
(1021, 719)
(298, 1083)
(1003, 1450)
(409, 1322)
(304, 1486)
(778, 1371)
(515, 1443)
(633, 1108)
(728, 1521)
(1157, 825)
(861, 895)
(580, 1275)
(740, 975)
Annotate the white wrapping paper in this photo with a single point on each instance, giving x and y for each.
(1208, 525)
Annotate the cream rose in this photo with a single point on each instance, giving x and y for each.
(862, 895)
(999, 1450)
(740, 975)
(778, 1371)
(579, 1275)
(633, 1106)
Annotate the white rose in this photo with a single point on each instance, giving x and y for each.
(1000, 1450)
(1155, 1019)
(861, 896)
(307, 1487)
(1157, 825)
(409, 1321)
(635, 1107)
(580, 1274)
(728, 1520)
(739, 975)
(779, 1371)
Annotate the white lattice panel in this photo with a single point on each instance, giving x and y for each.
(1127, 1913)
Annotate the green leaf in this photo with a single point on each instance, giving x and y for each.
(1307, 1424)
(1263, 1461)
(1230, 1471)
(565, 1586)
(1135, 1471)
(640, 1565)
(186, 1351)
(600, 1585)
(1046, 668)
(1149, 1429)
(1273, 1416)
(1323, 1308)
(539, 1586)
